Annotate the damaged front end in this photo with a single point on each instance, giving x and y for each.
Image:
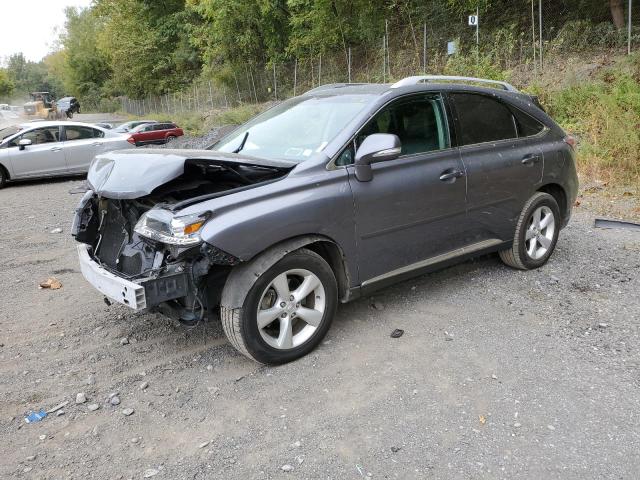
(136, 246)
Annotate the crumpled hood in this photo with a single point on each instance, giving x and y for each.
(134, 173)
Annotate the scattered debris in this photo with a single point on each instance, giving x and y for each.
(448, 337)
(51, 283)
(603, 325)
(33, 417)
(127, 412)
(204, 444)
(297, 444)
(31, 458)
(124, 341)
(494, 376)
(397, 333)
(396, 449)
(58, 407)
(482, 419)
(93, 407)
(551, 427)
(59, 413)
(81, 398)
(287, 468)
(114, 400)
(150, 472)
(91, 380)
(517, 424)
(604, 223)
(56, 230)
(377, 306)
(144, 385)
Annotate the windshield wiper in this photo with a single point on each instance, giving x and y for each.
(244, 140)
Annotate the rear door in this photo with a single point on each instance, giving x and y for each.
(42, 158)
(81, 144)
(503, 164)
(409, 213)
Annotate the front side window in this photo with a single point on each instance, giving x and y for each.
(81, 133)
(419, 123)
(297, 128)
(38, 136)
(482, 119)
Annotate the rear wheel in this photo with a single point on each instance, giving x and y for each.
(287, 311)
(170, 139)
(3, 176)
(536, 233)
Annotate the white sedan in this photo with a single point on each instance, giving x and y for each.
(47, 149)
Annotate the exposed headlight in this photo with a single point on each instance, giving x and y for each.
(163, 226)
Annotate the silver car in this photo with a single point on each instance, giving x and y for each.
(47, 149)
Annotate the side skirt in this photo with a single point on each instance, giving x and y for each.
(429, 265)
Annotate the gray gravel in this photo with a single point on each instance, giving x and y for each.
(499, 373)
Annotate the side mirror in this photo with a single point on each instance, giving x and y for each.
(379, 147)
(24, 143)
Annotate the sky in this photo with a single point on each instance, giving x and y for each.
(30, 26)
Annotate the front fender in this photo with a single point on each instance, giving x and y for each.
(243, 276)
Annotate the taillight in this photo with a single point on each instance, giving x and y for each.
(131, 140)
(571, 141)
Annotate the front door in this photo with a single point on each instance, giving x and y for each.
(414, 208)
(42, 158)
(500, 149)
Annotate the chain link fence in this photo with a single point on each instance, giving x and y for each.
(533, 33)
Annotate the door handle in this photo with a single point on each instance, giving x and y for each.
(56, 149)
(530, 159)
(451, 175)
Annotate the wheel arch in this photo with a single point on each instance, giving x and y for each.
(242, 277)
(560, 195)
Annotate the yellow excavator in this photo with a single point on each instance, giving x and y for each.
(41, 105)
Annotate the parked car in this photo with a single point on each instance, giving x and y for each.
(154, 134)
(68, 106)
(126, 127)
(45, 149)
(325, 198)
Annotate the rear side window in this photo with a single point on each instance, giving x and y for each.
(527, 125)
(82, 133)
(482, 119)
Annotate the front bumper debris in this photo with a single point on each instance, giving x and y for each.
(137, 294)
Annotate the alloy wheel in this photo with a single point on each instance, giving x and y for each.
(539, 234)
(291, 309)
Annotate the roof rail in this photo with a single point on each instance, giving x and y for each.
(445, 78)
(329, 86)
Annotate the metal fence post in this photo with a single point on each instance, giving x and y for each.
(533, 37)
(295, 76)
(386, 36)
(349, 64)
(275, 82)
(384, 59)
(629, 30)
(424, 48)
(320, 70)
(540, 33)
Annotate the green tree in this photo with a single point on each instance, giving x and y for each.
(6, 84)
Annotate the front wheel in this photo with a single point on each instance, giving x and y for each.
(536, 233)
(287, 311)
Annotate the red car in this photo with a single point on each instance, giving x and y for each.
(154, 133)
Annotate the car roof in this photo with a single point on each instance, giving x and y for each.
(417, 84)
(54, 123)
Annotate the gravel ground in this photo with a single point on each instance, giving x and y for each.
(499, 374)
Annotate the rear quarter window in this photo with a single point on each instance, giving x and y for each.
(527, 125)
(482, 119)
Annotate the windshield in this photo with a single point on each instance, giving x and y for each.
(295, 129)
(8, 131)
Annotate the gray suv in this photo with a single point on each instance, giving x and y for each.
(325, 198)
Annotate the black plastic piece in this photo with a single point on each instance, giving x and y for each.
(165, 288)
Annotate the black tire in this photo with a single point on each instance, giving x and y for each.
(517, 256)
(170, 139)
(3, 177)
(241, 326)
